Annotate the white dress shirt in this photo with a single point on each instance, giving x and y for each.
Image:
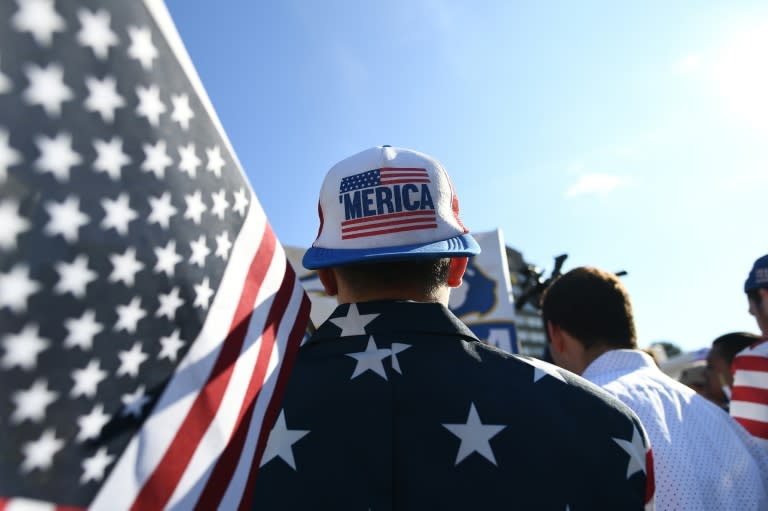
(703, 459)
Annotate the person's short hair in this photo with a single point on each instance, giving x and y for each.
(423, 275)
(730, 344)
(593, 306)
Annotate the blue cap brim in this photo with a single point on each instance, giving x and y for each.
(462, 245)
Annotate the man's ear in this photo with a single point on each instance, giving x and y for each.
(456, 270)
(328, 279)
(557, 341)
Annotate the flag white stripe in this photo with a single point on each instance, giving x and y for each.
(220, 430)
(239, 479)
(747, 410)
(148, 446)
(754, 379)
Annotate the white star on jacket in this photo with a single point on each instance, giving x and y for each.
(636, 451)
(370, 360)
(170, 346)
(167, 258)
(92, 424)
(87, 379)
(280, 442)
(128, 316)
(353, 323)
(22, 349)
(31, 403)
(82, 330)
(475, 436)
(66, 218)
(542, 369)
(74, 277)
(131, 360)
(169, 303)
(39, 453)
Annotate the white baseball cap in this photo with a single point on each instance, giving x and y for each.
(388, 203)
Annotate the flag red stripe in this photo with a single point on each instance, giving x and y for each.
(399, 173)
(374, 224)
(401, 169)
(227, 463)
(291, 351)
(750, 363)
(650, 477)
(158, 488)
(388, 231)
(398, 181)
(756, 428)
(423, 212)
(750, 395)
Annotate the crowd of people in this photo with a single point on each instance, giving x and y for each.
(395, 404)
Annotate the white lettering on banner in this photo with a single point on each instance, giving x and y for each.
(499, 337)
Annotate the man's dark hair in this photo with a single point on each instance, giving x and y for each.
(593, 306)
(422, 275)
(729, 345)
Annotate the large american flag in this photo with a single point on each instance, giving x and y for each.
(148, 317)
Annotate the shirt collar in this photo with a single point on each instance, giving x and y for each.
(618, 361)
(396, 317)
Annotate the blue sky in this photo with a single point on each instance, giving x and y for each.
(632, 136)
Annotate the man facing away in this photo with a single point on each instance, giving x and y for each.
(704, 460)
(395, 404)
(749, 403)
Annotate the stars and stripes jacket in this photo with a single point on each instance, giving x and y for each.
(397, 405)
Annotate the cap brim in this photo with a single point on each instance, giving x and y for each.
(462, 245)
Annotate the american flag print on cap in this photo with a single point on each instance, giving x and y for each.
(388, 203)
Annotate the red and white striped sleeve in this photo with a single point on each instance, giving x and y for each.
(749, 402)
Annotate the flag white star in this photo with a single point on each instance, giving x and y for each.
(74, 277)
(542, 369)
(39, 453)
(195, 207)
(110, 157)
(223, 245)
(398, 348)
(167, 258)
(128, 316)
(13, 224)
(130, 360)
(118, 214)
(5, 83)
(156, 159)
(370, 360)
(203, 293)
(66, 218)
(22, 349)
(103, 97)
(16, 287)
(8, 155)
(125, 267)
(200, 251)
(39, 18)
(56, 155)
(636, 451)
(94, 467)
(82, 330)
(95, 32)
(47, 88)
(215, 161)
(171, 346)
(353, 323)
(92, 424)
(220, 203)
(182, 113)
(188, 160)
(169, 303)
(280, 443)
(150, 104)
(31, 403)
(162, 210)
(87, 380)
(134, 402)
(141, 47)
(475, 436)
(241, 201)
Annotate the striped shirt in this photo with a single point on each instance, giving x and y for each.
(749, 403)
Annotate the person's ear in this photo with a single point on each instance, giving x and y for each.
(557, 341)
(456, 270)
(328, 279)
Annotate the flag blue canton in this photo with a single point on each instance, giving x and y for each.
(360, 181)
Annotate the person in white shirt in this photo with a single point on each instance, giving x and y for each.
(704, 460)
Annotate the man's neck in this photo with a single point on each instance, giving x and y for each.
(347, 295)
